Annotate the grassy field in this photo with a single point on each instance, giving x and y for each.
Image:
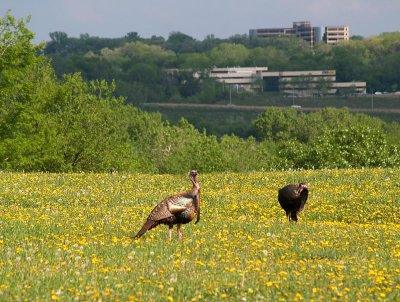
(64, 237)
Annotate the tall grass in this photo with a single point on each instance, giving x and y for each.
(66, 237)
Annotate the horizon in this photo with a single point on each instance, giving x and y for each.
(222, 19)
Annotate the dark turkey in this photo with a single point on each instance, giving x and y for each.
(292, 199)
(177, 209)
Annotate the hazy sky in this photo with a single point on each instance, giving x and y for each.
(223, 18)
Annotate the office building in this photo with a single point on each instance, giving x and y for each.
(336, 34)
(309, 83)
(298, 83)
(303, 30)
(244, 78)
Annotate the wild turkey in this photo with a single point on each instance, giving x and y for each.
(292, 199)
(177, 209)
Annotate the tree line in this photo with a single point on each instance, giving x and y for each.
(68, 124)
(142, 67)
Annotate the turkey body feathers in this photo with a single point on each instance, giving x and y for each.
(292, 199)
(173, 210)
(177, 209)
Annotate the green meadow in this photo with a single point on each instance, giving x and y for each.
(65, 237)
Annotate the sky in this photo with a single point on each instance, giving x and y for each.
(198, 18)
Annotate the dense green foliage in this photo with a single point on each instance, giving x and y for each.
(69, 124)
(329, 138)
(142, 67)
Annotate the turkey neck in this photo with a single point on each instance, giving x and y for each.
(195, 192)
(196, 187)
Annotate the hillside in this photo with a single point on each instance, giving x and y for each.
(159, 70)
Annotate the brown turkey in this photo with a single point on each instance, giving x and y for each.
(292, 199)
(177, 209)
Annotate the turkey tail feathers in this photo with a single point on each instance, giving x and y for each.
(149, 224)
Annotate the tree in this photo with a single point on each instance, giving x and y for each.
(351, 60)
(139, 52)
(353, 147)
(132, 36)
(356, 38)
(227, 54)
(273, 58)
(312, 125)
(239, 39)
(181, 43)
(258, 156)
(390, 71)
(209, 42)
(51, 125)
(58, 43)
(16, 50)
(25, 79)
(194, 61)
(97, 136)
(27, 141)
(156, 40)
(276, 124)
(182, 148)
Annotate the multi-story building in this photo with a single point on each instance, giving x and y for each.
(303, 30)
(308, 83)
(240, 77)
(336, 34)
(299, 83)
